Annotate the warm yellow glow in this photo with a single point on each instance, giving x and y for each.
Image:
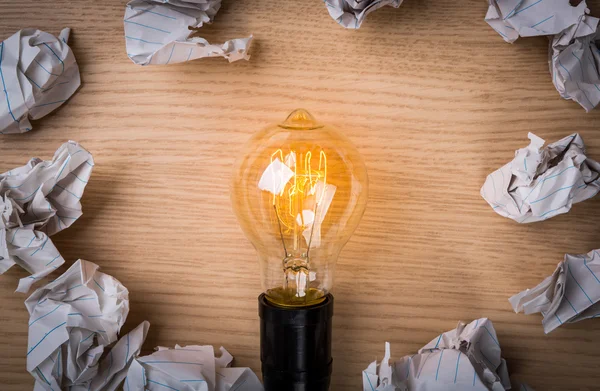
(300, 190)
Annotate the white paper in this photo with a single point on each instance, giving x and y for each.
(570, 294)
(275, 177)
(189, 368)
(541, 183)
(73, 322)
(157, 32)
(38, 200)
(323, 196)
(527, 18)
(574, 62)
(467, 358)
(38, 74)
(351, 13)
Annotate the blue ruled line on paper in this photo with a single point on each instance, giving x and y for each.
(566, 70)
(437, 372)
(31, 241)
(54, 259)
(424, 362)
(578, 284)
(491, 336)
(41, 248)
(526, 8)
(42, 375)
(47, 71)
(591, 271)
(142, 40)
(68, 191)
(14, 234)
(75, 175)
(148, 27)
(457, 362)
(157, 13)
(43, 316)
(44, 337)
(369, 380)
(500, 32)
(58, 359)
(88, 337)
(438, 341)
(551, 194)
(4, 84)
(164, 385)
(80, 299)
(99, 286)
(24, 198)
(57, 56)
(540, 22)
(32, 81)
(559, 321)
(569, 301)
(171, 55)
(513, 10)
(543, 181)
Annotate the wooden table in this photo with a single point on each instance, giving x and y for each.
(434, 99)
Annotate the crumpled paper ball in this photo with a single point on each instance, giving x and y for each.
(570, 294)
(38, 73)
(351, 13)
(540, 183)
(466, 358)
(73, 326)
(189, 368)
(38, 200)
(518, 18)
(159, 32)
(574, 60)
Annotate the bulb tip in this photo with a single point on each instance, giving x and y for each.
(300, 119)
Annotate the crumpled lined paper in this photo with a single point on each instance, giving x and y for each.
(570, 294)
(351, 13)
(189, 368)
(540, 183)
(38, 200)
(467, 358)
(38, 73)
(157, 32)
(574, 63)
(73, 322)
(527, 18)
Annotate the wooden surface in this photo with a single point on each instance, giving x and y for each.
(434, 99)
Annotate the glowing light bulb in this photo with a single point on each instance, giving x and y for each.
(299, 190)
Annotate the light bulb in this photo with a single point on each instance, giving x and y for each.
(299, 190)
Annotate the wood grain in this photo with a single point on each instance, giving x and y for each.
(434, 99)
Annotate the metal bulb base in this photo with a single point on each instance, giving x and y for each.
(295, 346)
